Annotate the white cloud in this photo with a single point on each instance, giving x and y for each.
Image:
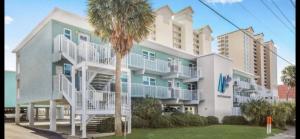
(8, 20)
(10, 59)
(223, 1)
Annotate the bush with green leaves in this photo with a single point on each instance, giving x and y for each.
(292, 112)
(280, 114)
(212, 120)
(163, 121)
(234, 120)
(256, 110)
(147, 113)
(138, 122)
(147, 109)
(107, 126)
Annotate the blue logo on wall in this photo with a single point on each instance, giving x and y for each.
(223, 83)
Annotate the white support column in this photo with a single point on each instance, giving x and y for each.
(30, 114)
(72, 116)
(47, 113)
(84, 101)
(37, 113)
(129, 100)
(60, 112)
(182, 108)
(17, 116)
(52, 115)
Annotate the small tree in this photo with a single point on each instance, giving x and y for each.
(256, 110)
(121, 22)
(289, 78)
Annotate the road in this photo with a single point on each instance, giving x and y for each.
(288, 134)
(13, 131)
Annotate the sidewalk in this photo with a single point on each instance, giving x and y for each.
(288, 134)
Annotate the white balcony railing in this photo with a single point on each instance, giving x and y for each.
(86, 51)
(65, 46)
(140, 90)
(162, 92)
(102, 101)
(63, 85)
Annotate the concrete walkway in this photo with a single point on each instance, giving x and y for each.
(288, 134)
(13, 131)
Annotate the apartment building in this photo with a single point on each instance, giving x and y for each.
(174, 30)
(76, 69)
(251, 54)
(63, 63)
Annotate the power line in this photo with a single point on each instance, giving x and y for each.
(267, 27)
(276, 15)
(293, 3)
(243, 31)
(247, 10)
(282, 13)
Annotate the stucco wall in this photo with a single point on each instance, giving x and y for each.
(212, 66)
(36, 67)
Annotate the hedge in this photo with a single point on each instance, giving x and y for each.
(234, 120)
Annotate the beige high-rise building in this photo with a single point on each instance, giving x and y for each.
(270, 65)
(251, 54)
(239, 47)
(176, 30)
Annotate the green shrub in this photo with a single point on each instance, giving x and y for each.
(292, 113)
(162, 122)
(234, 120)
(147, 109)
(280, 115)
(256, 110)
(178, 120)
(212, 120)
(138, 122)
(107, 126)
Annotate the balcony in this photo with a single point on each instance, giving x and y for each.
(91, 53)
(157, 66)
(162, 92)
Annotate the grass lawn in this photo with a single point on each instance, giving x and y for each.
(207, 132)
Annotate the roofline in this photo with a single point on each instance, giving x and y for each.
(55, 14)
(233, 32)
(213, 53)
(244, 72)
(166, 6)
(205, 26)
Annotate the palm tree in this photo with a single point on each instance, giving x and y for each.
(289, 78)
(120, 22)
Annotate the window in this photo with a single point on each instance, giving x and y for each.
(152, 56)
(152, 81)
(68, 33)
(83, 38)
(177, 84)
(149, 55)
(145, 80)
(67, 69)
(191, 86)
(145, 54)
(149, 81)
(169, 84)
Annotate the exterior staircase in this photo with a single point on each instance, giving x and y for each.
(94, 122)
(92, 60)
(100, 81)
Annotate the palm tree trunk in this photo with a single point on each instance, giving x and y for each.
(118, 122)
(287, 94)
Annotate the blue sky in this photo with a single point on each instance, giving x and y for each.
(22, 16)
